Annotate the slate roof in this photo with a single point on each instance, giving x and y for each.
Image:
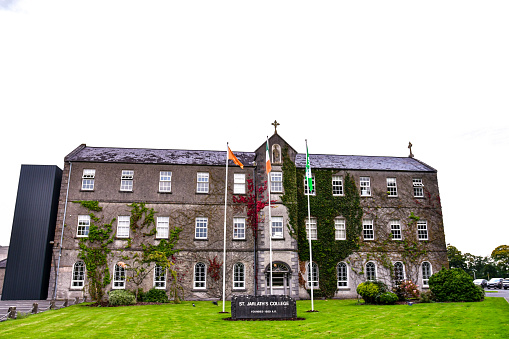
(155, 156)
(359, 162)
(217, 158)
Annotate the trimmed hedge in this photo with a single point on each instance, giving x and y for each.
(376, 292)
(156, 296)
(121, 298)
(454, 285)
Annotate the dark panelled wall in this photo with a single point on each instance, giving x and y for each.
(33, 227)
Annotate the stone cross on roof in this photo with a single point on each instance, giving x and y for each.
(410, 147)
(275, 124)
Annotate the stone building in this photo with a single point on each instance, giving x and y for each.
(396, 234)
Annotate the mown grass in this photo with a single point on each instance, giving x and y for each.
(335, 318)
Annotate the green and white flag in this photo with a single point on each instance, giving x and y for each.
(309, 178)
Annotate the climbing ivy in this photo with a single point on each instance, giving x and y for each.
(94, 251)
(327, 252)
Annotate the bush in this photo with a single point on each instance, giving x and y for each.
(406, 289)
(121, 298)
(387, 298)
(370, 290)
(426, 297)
(454, 285)
(155, 296)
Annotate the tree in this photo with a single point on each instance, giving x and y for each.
(456, 259)
(501, 257)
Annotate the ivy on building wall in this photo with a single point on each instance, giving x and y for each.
(325, 207)
(94, 251)
(139, 261)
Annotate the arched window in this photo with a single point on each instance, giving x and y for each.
(238, 276)
(371, 271)
(78, 275)
(159, 277)
(312, 275)
(426, 273)
(118, 277)
(342, 273)
(200, 275)
(399, 271)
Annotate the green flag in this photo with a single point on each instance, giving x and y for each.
(309, 178)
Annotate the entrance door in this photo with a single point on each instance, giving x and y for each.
(281, 277)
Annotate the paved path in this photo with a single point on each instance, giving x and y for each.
(26, 306)
(497, 293)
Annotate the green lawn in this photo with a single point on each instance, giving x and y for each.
(336, 318)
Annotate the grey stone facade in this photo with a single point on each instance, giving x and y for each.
(183, 205)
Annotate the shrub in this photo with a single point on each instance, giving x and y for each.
(406, 289)
(454, 285)
(426, 297)
(155, 296)
(370, 290)
(387, 298)
(121, 298)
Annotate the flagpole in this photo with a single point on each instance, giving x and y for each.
(270, 224)
(308, 167)
(224, 236)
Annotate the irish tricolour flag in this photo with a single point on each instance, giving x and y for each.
(268, 166)
(309, 178)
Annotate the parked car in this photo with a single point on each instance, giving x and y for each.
(505, 283)
(495, 283)
(481, 282)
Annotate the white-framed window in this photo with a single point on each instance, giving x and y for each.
(337, 185)
(165, 181)
(239, 183)
(118, 277)
(311, 230)
(200, 276)
(418, 187)
(162, 227)
(367, 229)
(202, 182)
(126, 180)
(392, 188)
(201, 226)
(276, 182)
(87, 179)
(306, 186)
(399, 271)
(370, 271)
(239, 279)
(239, 228)
(422, 230)
(426, 273)
(395, 230)
(340, 228)
(365, 185)
(83, 225)
(159, 277)
(342, 274)
(277, 228)
(312, 274)
(123, 226)
(78, 275)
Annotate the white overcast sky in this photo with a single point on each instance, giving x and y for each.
(351, 77)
